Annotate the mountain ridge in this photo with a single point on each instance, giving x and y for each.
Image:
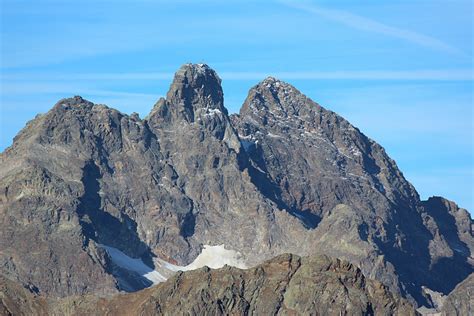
(284, 285)
(283, 171)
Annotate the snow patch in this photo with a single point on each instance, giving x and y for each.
(355, 151)
(357, 176)
(245, 137)
(214, 257)
(274, 135)
(212, 112)
(133, 264)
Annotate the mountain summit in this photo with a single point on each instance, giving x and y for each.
(196, 86)
(94, 201)
(196, 90)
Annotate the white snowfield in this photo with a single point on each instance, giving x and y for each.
(214, 257)
(132, 264)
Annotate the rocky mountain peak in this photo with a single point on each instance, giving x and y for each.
(71, 106)
(194, 76)
(273, 97)
(284, 176)
(76, 101)
(273, 84)
(196, 87)
(195, 99)
(195, 92)
(79, 108)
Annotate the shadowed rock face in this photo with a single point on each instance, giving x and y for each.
(285, 285)
(283, 176)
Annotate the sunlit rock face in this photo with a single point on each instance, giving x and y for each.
(84, 183)
(284, 285)
(461, 300)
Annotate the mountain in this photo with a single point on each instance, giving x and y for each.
(285, 285)
(93, 201)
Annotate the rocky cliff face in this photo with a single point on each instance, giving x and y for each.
(461, 300)
(325, 172)
(284, 175)
(285, 285)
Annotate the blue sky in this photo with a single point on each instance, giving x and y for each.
(401, 71)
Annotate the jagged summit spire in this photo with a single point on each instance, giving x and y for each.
(196, 81)
(196, 74)
(196, 70)
(195, 87)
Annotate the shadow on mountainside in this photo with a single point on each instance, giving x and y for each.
(412, 261)
(106, 229)
(459, 261)
(259, 177)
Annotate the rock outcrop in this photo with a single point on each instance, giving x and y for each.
(461, 300)
(285, 285)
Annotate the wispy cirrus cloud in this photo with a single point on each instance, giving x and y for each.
(365, 24)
